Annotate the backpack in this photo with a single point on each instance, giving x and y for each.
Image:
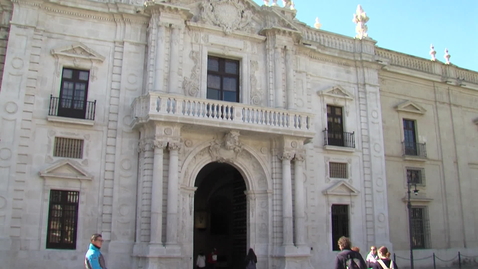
(384, 266)
(352, 263)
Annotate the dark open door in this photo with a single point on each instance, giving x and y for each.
(335, 128)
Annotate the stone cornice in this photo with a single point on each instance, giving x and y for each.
(218, 30)
(152, 7)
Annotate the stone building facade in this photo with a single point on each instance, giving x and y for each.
(174, 127)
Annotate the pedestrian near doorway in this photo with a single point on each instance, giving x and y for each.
(93, 257)
(212, 259)
(251, 259)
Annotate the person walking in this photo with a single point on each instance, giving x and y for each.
(212, 259)
(93, 257)
(201, 260)
(384, 261)
(347, 258)
(251, 259)
(372, 257)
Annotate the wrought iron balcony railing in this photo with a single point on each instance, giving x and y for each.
(207, 112)
(414, 149)
(340, 139)
(67, 107)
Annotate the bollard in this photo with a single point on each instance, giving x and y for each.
(434, 261)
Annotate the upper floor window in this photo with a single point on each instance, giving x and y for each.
(411, 147)
(222, 79)
(62, 219)
(334, 135)
(72, 101)
(68, 148)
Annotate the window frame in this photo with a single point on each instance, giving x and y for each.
(68, 139)
(64, 196)
(425, 229)
(221, 73)
(72, 107)
(421, 176)
(338, 163)
(340, 220)
(411, 147)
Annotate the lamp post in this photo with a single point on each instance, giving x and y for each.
(410, 180)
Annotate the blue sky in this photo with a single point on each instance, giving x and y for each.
(407, 26)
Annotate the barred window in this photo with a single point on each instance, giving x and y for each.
(68, 148)
(416, 175)
(340, 224)
(420, 228)
(338, 170)
(62, 219)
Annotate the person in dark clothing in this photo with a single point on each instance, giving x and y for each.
(346, 253)
(384, 260)
(251, 259)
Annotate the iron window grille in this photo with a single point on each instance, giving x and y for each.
(338, 170)
(340, 224)
(420, 227)
(68, 148)
(62, 219)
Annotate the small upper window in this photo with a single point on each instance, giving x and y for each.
(223, 79)
(68, 148)
(338, 170)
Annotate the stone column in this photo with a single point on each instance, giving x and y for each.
(157, 193)
(159, 63)
(173, 189)
(278, 77)
(288, 234)
(289, 58)
(174, 59)
(299, 200)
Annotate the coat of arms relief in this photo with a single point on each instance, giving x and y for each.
(230, 15)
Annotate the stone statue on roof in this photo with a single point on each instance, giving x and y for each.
(360, 18)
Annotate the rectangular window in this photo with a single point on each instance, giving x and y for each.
(338, 170)
(419, 227)
(340, 224)
(62, 219)
(73, 93)
(335, 128)
(68, 148)
(222, 79)
(416, 176)
(410, 137)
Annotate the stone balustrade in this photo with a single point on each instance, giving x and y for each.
(207, 112)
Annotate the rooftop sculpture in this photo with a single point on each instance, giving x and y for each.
(447, 57)
(360, 18)
(317, 23)
(433, 53)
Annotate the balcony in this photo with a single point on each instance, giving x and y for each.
(339, 139)
(414, 150)
(71, 111)
(219, 114)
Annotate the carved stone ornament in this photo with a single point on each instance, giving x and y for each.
(191, 85)
(227, 149)
(230, 15)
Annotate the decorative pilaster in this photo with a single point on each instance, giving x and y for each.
(287, 225)
(157, 193)
(299, 199)
(173, 189)
(278, 77)
(174, 59)
(289, 57)
(159, 64)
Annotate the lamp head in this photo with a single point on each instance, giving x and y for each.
(415, 192)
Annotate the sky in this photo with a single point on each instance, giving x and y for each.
(406, 26)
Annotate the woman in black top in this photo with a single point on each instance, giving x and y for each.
(384, 257)
(251, 259)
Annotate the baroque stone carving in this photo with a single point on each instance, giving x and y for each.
(227, 149)
(256, 98)
(360, 18)
(191, 85)
(230, 15)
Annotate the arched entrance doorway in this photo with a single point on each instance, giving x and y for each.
(220, 214)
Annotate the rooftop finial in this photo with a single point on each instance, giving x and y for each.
(317, 23)
(266, 2)
(433, 53)
(292, 5)
(447, 57)
(360, 18)
(286, 3)
(274, 3)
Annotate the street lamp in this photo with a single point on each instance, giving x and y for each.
(411, 180)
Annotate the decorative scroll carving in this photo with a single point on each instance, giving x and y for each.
(174, 146)
(287, 155)
(145, 145)
(256, 98)
(191, 85)
(228, 149)
(160, 144)
(230, 15)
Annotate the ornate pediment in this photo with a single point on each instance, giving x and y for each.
(412, 107)
(341, 188)
(226, 149)
(336, 92)
(66, 169)
(78, 51)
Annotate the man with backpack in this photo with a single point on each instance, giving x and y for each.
(347, 258)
